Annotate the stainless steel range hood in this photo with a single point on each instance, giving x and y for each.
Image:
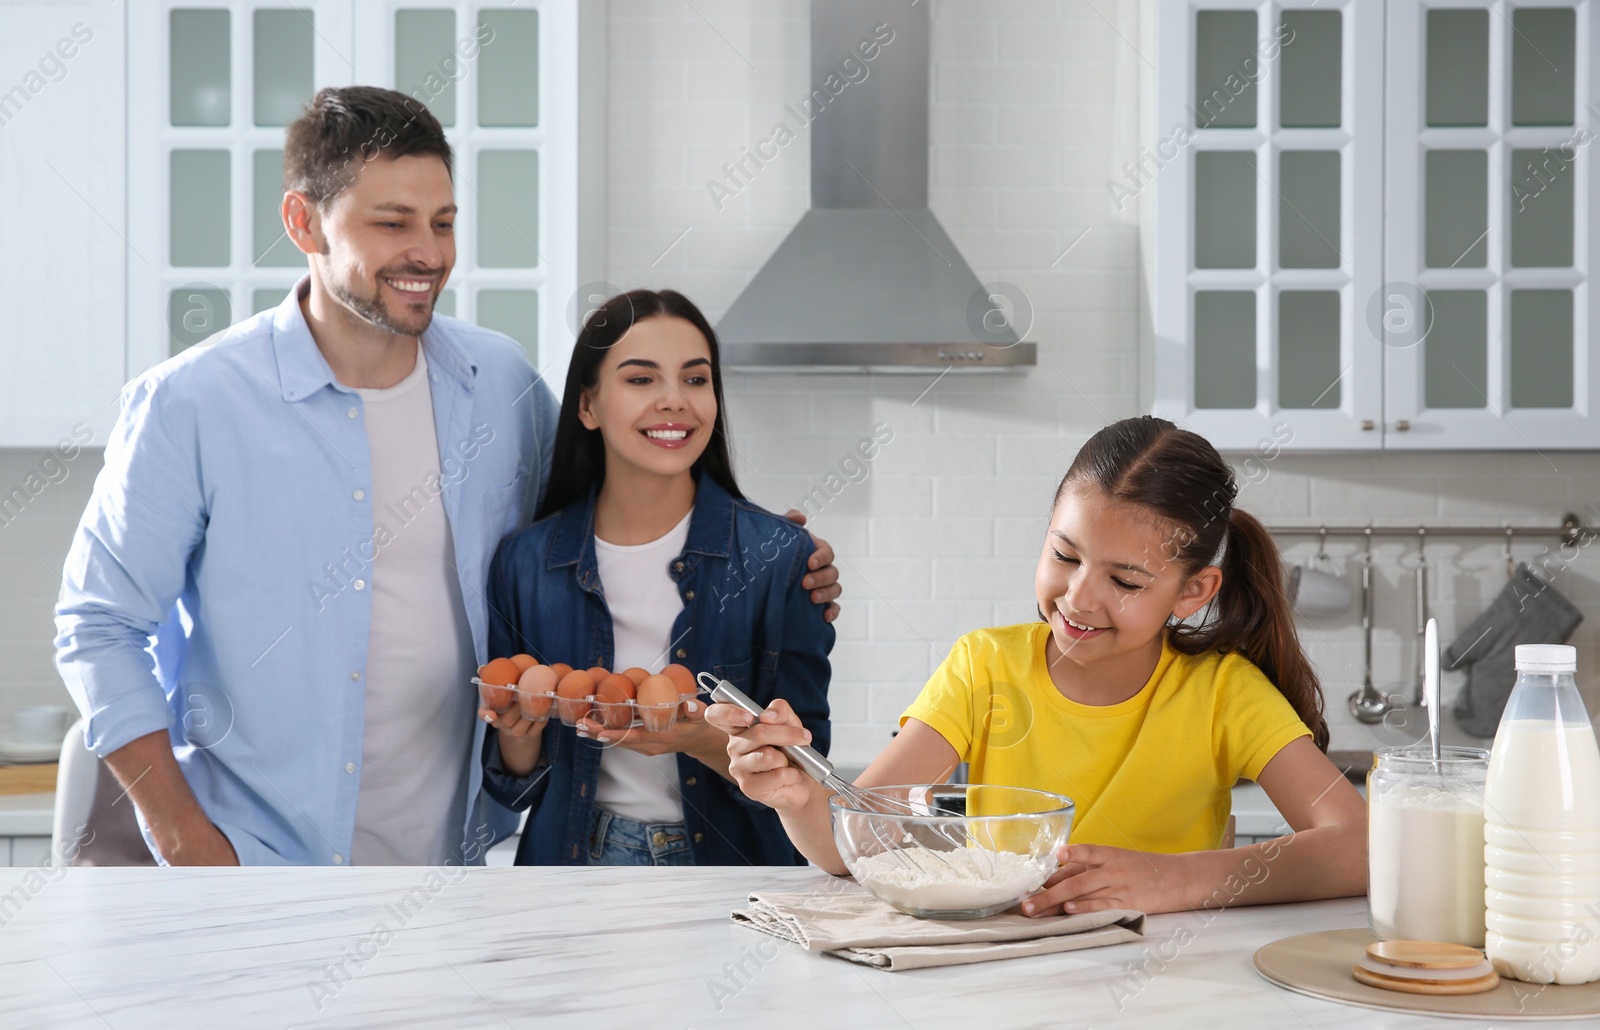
(868, 280)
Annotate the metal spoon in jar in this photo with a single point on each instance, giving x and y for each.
(1430, 684)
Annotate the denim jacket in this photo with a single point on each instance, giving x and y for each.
(745, 618)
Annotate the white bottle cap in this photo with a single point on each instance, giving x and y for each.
(1547, 658)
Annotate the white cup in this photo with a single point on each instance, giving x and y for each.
(40, 724)
(1314, 592)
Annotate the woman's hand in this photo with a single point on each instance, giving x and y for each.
(511, 723)
(689, 733)
(1093, 878)
(764, 773)
(520, 740)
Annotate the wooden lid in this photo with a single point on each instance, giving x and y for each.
(1476, 985)
(1425, 954)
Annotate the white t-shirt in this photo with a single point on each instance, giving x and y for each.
(644, 603)
(418, 735)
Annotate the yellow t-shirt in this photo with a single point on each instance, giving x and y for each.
(1151, 773)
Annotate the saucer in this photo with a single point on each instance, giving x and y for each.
(18, 751)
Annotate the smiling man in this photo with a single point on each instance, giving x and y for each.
(274, 600)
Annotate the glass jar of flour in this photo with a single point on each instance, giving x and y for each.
(1425, 844)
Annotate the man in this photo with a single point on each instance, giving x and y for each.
(274, 600)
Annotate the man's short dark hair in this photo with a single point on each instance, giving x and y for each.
(344, 127)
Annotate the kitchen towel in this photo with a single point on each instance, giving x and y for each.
(1527, 611)
(856, 926)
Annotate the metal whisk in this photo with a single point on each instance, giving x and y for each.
(861, 798)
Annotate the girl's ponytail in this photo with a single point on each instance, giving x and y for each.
(1180, 477)
(1251, 616)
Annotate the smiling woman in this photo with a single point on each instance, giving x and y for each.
(642, 531)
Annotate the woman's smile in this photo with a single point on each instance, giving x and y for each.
(669, 435)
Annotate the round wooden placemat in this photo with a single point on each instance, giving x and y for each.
(1319, 964)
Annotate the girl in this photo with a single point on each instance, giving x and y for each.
(644, 552)
(1144, 719)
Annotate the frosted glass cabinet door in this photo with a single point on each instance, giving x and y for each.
(282, 51)
(199, 235)
(199, 89)
(1308, 349)
(1489, 136)
(508, 211)
(1457, 80)
(1268, 223)
(1311, 68)
(1225, 47)
(508, 73)
(425, 62)
(1224, 349)
(515, 313)
(1225, 209)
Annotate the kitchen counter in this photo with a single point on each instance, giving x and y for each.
(129, 948)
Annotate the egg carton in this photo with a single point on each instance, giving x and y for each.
(613, 715)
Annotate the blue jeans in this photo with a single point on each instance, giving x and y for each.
(614, 840)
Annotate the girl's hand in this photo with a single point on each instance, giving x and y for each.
(689, 733)
(764, 773)
(1093, 878)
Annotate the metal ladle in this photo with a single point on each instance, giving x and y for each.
(1368, 704)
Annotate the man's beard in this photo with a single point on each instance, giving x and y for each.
(376, 311)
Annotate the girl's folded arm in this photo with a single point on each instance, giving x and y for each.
(1325, 855)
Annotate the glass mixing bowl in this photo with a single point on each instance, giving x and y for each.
(992, 848)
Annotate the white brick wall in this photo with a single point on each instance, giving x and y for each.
(1033, 110)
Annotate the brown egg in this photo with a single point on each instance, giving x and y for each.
(561, 668)
(496, 698)
(636, 674)
(681, 675)
(572, 691)
(612, 697)
(502, 672)
(658, 699)
(525, 661)
(598, 673)
(534, 690)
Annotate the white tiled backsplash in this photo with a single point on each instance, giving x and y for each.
(1034, 109)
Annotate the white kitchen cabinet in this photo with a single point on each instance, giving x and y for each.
(503, 82)
(1307, 163)
(210, 88)
(1491, 184)
(62, 224)
(213, 83)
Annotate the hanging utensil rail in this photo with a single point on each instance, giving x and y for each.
(1571, 531)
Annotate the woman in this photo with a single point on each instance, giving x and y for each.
(645, 552)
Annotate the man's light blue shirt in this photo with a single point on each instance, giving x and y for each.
(218, 586)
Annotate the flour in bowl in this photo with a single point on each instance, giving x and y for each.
(947, 881)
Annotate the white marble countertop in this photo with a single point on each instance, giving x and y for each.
(524, 947)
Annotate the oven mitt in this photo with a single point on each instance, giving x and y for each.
(1526, 611)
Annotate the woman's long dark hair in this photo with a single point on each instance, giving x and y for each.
(579, 460)
(1179, 477)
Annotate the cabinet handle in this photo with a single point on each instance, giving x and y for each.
(1403, 425)
(1367, 425)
